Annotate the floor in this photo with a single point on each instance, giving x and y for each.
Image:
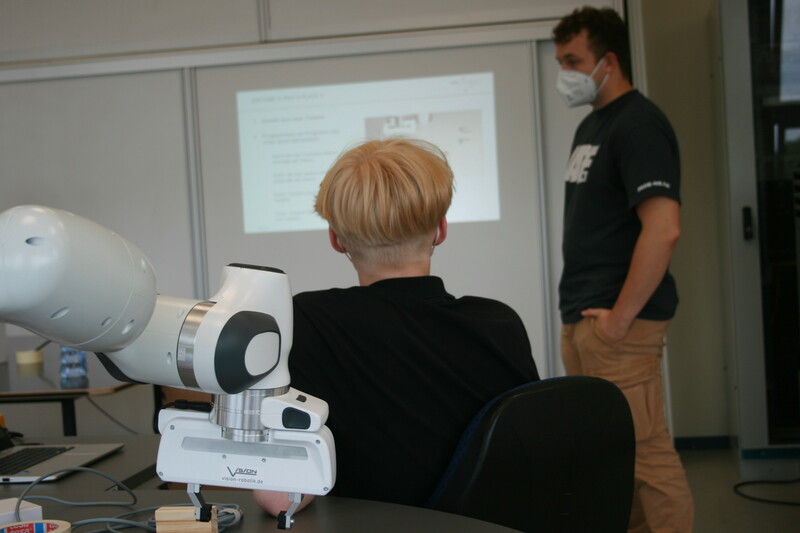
(712, 475)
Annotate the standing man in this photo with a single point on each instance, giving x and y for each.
(621, 224)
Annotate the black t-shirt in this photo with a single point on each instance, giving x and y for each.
(404, 366)
(622, 154)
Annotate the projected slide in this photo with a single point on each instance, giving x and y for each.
(288, 139)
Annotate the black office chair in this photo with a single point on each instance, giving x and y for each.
(554, 456)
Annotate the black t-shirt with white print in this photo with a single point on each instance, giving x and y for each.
(622, 154)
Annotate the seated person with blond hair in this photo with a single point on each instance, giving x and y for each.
(403, 365)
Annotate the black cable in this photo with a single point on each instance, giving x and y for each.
(111, 417)
(737, 489)
(38, 480)
(228, 514)
(45, 343)
(116, 521)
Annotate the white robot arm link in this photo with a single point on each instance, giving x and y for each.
(79, 284)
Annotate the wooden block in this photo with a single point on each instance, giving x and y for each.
(186, 527)
(175, 514)
(181, 520)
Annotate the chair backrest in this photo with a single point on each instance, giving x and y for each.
(552, 456)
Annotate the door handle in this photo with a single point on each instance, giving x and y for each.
(747, 223)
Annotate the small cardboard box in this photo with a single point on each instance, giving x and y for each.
(28, 511)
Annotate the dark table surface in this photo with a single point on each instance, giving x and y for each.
(325, 515)
(133, 465)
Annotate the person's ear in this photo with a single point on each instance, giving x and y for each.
(441, 232)
(335, 241)
(612, 62)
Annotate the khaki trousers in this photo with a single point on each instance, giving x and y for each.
(662, 501)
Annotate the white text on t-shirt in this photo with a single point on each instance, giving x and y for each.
(579, 163)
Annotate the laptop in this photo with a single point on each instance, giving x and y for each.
(27, 463)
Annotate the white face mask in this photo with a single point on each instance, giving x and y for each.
(578, 88)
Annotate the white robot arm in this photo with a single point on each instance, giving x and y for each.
(79, 284)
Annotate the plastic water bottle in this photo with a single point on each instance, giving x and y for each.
(73, 363)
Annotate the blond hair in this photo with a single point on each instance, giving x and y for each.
(388, 193)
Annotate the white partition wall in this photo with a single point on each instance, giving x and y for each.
(303, 19)
(502, 257)
(110, 148)
(126, 113)
(198, 203)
